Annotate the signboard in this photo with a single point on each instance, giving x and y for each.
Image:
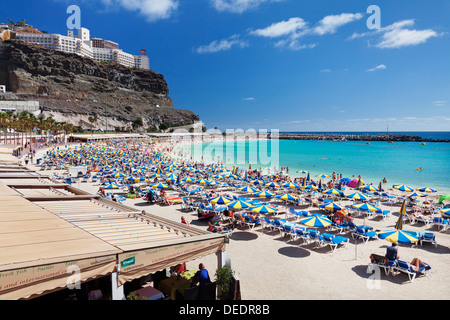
(138, 263)
(38, 279)
(143, 52)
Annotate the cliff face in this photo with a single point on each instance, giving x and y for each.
(68, 85)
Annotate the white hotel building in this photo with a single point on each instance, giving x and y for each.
(82, 45)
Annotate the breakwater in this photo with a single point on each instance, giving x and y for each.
(355, 137)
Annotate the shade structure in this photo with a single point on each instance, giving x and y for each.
(358, 196)
(316, 221)
(415, 194)
(220, 200)
(427, 190)
(111, 186)
(258, 182)
(264, 194)
(159, 186)
(118, 175)
(331, 206)
(263, 209)
(333, 191)
(399, 235)
(248, 189)
(188, 179)
(444, 197)
(239, 204)
(302, 171)
(290, 185)
(369, 187)
(365, 207)
(403, 187)
(445, 211)
(323, 175)
(272, 185)
(286, 197)
(202, 181)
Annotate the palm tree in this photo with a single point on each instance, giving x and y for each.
(93, 120)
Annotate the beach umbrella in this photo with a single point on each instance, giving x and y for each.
(272, 185)
(444, 197)
(316, 221)
(399, 235)
(187, 179)
(248, 189)
(111, 186)
(258, 182)
(286, 197)
(358, 196)
(380, 186)
(427, 190)
(220, 200)
(323, 175)
(333, 191)
(159, 186)
(415, 194)
(331, 206)
(118, 175)
(290, 185)
(264, 194)
(263, 209)
(302, 171)
(365, 207)
(202, 181)
(369, 187)
(403, 187)
(239, 204)
(308, 178)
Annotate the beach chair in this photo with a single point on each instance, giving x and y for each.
(405, 267)
(427, 237)
(301, 233)
(342, 227)
(364, 234)
(250, 222)
(441, 223)
(288, 230)
(267, 223)
(314, 237)
(380, 262)
(334, 241)
(382, 213)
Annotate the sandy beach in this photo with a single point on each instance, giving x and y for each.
(271, 267)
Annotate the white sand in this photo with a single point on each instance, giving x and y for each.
(272, 268)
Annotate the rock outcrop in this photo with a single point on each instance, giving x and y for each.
(73, 87)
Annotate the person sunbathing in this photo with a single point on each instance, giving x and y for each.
(215, 227)
(416, 264)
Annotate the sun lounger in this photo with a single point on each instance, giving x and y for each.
(427, 237)
(381, 262)
(405, 267)
(333, 241)
(364, 234)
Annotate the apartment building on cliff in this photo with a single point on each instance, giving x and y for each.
(83, 45)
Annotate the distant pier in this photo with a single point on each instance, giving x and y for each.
(355, 137)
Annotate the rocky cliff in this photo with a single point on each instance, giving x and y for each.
(71, 88)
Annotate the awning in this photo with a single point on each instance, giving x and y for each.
(37, 248)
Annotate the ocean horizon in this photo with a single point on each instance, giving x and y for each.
(438, 135)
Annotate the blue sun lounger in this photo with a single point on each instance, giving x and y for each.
(405, 267)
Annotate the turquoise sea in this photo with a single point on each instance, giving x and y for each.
(397, 162)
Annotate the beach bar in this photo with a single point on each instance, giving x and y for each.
(54, 236)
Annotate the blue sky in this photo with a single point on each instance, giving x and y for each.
(281, 64)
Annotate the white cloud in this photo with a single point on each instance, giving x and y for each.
(330, 24)
(325, 70)
(222, 45)
(380, 67)
(398, 35)
(282, 28)
(440, 103)
(249, 99)
(295, 28)
(151, 9)
(398, 38)
(238, 6)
